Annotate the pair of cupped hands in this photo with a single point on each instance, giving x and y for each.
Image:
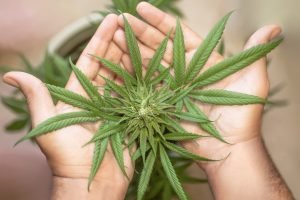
(239, 125)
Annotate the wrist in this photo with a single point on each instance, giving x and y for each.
(240, 152)
(77, 188)
(247, 173)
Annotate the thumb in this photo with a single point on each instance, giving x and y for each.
(257, 72)
(39, 101)
(263, 35)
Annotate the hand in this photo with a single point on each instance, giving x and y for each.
(236, 124)
(248, 173)
(69, 161)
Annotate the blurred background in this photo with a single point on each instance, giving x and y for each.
(27, 26)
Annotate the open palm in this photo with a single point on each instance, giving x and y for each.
(237, 124)
(63, 148)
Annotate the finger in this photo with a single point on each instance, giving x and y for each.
(39, 101)
(98, 45)
(126, 63)
(263, 35)
(254, 78)
(164, 23)
(146, 52)
(148, 35)
(113, 54)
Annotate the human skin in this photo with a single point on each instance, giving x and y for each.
(248, 173)
(69, 161)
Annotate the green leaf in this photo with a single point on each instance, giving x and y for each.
(156, 188)
(71, 98)
(134, 50)
(190, 117)
(28, 66)
(4, 69)
(180, 95)
(132, 4)
(115, 87)
(209, 127)
(183, 152)
(171, 174)
(167, 192)
(87, 85)
(172, 123)
(179, 105)
(235, 63)
(99, 152)
(151, 138)
(117, 69)
(143, 143)
(120, 5)
(61, 65)
(14, 104)
(60, 121)
(105, 132)
(225, 97)
(276, 89)
(145, 175)
(169, 79)
(137, 154)
(206, 48)
(133, 137)
(162, 75)
(179, 55)
(157, 128)
(17, 124)
(221, 48)
(157, 3)
(116, 145)
(181, 136)
(156, 59)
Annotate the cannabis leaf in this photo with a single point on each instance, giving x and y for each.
(209, 127)
(181, 136)
(179, 55)
(157, 58)
(60, 121)
(121, 4)
(184, 152)
(71, 98)
(116, 144)
(146, 175)
(88, 86)
(224, 97)
(14, 104)
(117, 69)
(146, 111)
(99, 152)
(171, 174)
(235, 63)
(134, 50)
(206, 48)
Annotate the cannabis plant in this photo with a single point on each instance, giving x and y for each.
(147, 110)
(129, 6)
(55, 70)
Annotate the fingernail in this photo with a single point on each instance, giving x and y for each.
(140, 6)
(10, 81)
(275, 33)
